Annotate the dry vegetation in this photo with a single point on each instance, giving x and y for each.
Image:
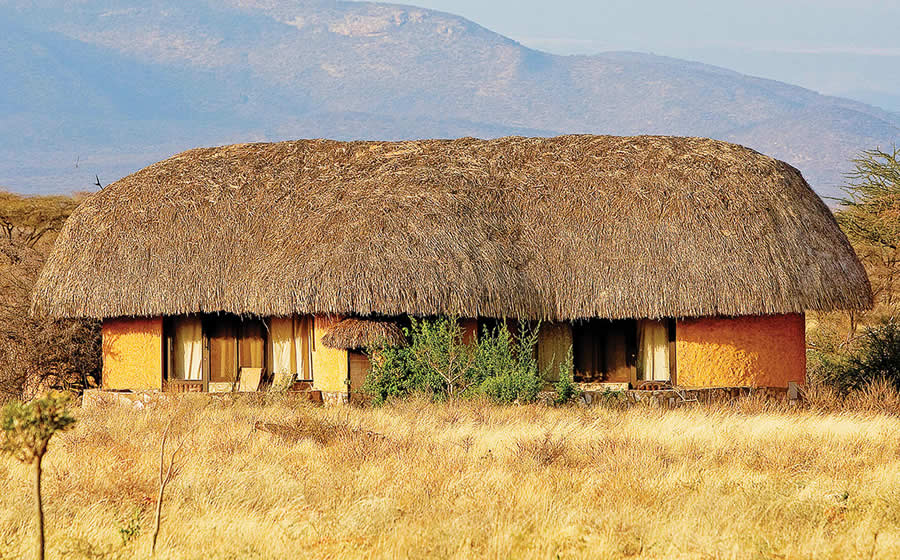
(280, 479)
(38, 352)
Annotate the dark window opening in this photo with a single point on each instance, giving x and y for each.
(604, 351)
(623, 351)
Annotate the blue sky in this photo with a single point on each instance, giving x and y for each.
(849, 48)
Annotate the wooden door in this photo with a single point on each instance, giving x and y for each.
(359, 366)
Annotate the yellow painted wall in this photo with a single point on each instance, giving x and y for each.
(759, 351)
(554, 341)
(132, 353)
(329, 364)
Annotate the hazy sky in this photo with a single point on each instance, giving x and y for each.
(842, 47)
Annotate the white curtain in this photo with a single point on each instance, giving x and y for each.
(188, 349)
(653, 350)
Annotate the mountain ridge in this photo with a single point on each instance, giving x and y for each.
(119, 84)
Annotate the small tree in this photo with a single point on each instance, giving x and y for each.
(27, 430)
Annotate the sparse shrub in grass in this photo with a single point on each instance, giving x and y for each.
(879, 396)
(131, 529)
(438, 363)
(566, 389)
(27, 429)
(611, 399)
(545, 451)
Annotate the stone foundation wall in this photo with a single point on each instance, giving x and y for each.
(335, 398)
(662, 398)
(672, 398)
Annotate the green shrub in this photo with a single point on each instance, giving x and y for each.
(878, 357)
(389, 376)
(849, 367)
(611, 399)
(439, 364)
(435, 363)
(505, 367)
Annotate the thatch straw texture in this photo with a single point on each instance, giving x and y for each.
(353, 333)
(552, 228)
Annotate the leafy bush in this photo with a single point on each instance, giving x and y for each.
(855, 365)
(877, 358)
(435, 363)
(506, 368)
(440, 364)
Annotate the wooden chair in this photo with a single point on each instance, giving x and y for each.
(249, 379)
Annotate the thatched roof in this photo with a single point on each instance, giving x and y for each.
(551, 228)
(353, 333)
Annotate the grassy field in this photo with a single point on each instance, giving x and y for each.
(466, 480)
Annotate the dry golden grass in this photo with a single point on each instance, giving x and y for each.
(468, 480)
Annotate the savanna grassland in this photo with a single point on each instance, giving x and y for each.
(465, 480)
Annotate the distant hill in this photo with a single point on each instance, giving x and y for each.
(107, 87)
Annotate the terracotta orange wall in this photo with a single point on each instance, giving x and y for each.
(330, 365)
(758, 351)
(132, 353)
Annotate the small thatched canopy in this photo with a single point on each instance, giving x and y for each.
(353, 333)
(551, 228)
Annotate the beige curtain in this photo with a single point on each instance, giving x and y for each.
(292, 345)
(223, 337)
(653, 350)
(188, 349)
(303, 344)
(281, 337)
(251, 345)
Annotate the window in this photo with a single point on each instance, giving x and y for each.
(221, 334)
(623, 351)
(210, 352)
(184, 343)
(654, 362)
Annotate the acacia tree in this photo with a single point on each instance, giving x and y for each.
(870, 216)
(27, 431)
(25, 221)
